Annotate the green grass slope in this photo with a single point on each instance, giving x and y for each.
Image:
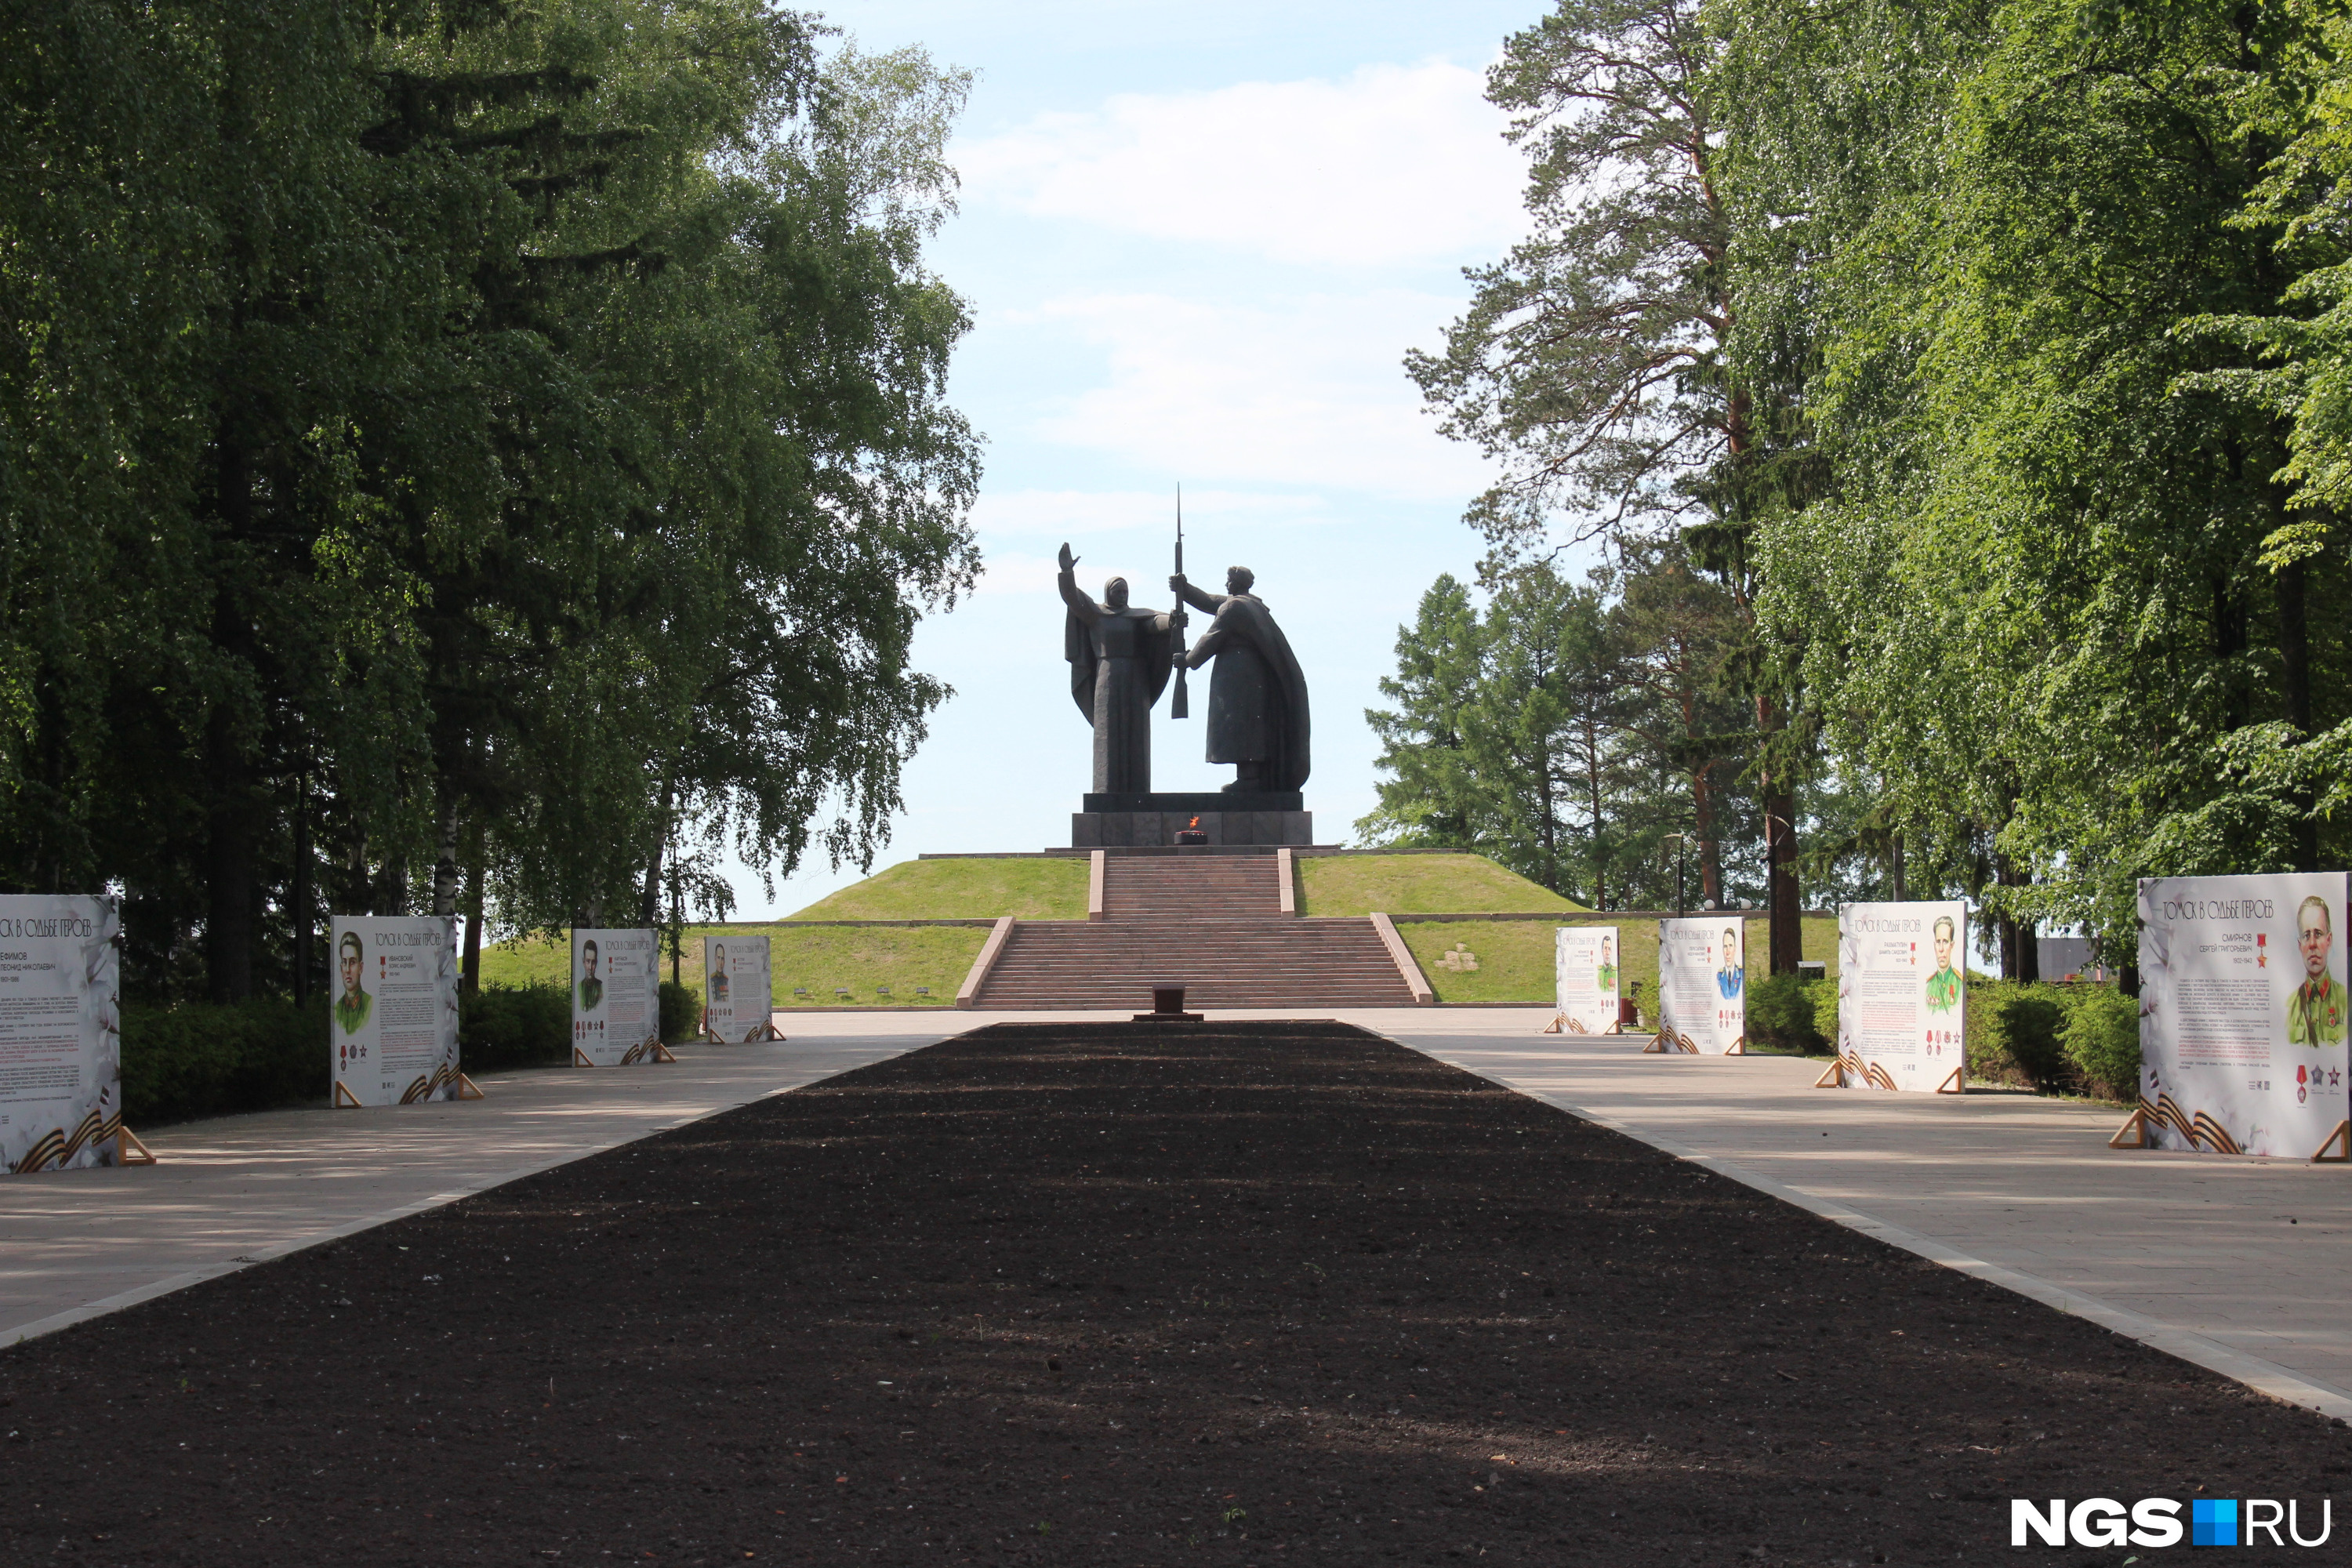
(1419, 884)
(861, 959)
(1515, 957)
(864, 960)
(1049, 889)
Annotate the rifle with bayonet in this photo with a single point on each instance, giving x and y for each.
(1180, 705)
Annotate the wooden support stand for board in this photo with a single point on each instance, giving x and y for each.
(1952, 1085)
(2133, 1133)
(345, 1099)
(1832, 1076)
(580, 1058)
(130, 1150)
(1553, 1027)
(2340, 1141)
(467, 1089)
(1658, 1044)
(660, 1052)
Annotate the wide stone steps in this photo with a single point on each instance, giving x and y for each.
(1148, 886)
(1221, 962)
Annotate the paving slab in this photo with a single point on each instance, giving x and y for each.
(237, 1190)
(2240, 1264)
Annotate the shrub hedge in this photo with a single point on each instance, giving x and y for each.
(2070, 1038)
(1782, 1016)
(502, 1026)
(203, 1059)
(681, 1013)
(2013, 1034)
(2101, 1039)
(1789, 1013)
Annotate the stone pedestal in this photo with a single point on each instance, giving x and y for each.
(1121, 821)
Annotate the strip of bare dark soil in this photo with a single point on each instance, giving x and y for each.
(1226, 1294)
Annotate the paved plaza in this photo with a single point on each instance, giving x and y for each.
(2237, 1264)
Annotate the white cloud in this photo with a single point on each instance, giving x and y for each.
(1310, 393)
(1395, 164)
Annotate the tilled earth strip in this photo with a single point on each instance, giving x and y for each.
(1216, 1294)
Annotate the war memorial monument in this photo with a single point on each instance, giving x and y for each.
(1121, 659)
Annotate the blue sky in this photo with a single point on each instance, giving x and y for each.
(1197, 241)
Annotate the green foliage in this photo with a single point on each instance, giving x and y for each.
(1568, 729)
(2101, 1037)
(1782, 1017)
(201, 1058)
(1587, 362)
(433, 429)
(1823, 994)
(2013, 1034)
(681, 1012)
(2041, 280)
(503, 1026)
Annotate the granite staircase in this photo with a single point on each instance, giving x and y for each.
(1213, 922)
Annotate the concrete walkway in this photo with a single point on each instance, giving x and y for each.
(2242, 1266)
(2239, 1265)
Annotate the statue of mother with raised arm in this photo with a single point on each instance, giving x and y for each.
(1120, 663)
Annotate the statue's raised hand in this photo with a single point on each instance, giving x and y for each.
(1067, 559)
(1176, 583)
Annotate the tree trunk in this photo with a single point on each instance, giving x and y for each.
(1710, 860)
(2020, 950)
(298, 896)
(470, 973)
(228, 864)
(390, 895)
(649, 905)
(2295, 679)
(1593, 792)
(445, 862)
(1786, 944)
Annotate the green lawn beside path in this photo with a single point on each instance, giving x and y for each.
(861, 959)
(1032, 889)
(1418, 884)
(1515, 957)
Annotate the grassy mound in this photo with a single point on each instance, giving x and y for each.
(1053, 889)
(860, 960)
(1515, 957)
(863, 960)
(1419, 884)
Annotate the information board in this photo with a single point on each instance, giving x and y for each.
(1703, 985)
(2242, 1012)
(60, 1034)
(615, 999)
(1902, 997)
(1584, 967)
(393, 1025)
(737, 1005)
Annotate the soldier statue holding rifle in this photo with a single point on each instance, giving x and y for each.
(1258, 694)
